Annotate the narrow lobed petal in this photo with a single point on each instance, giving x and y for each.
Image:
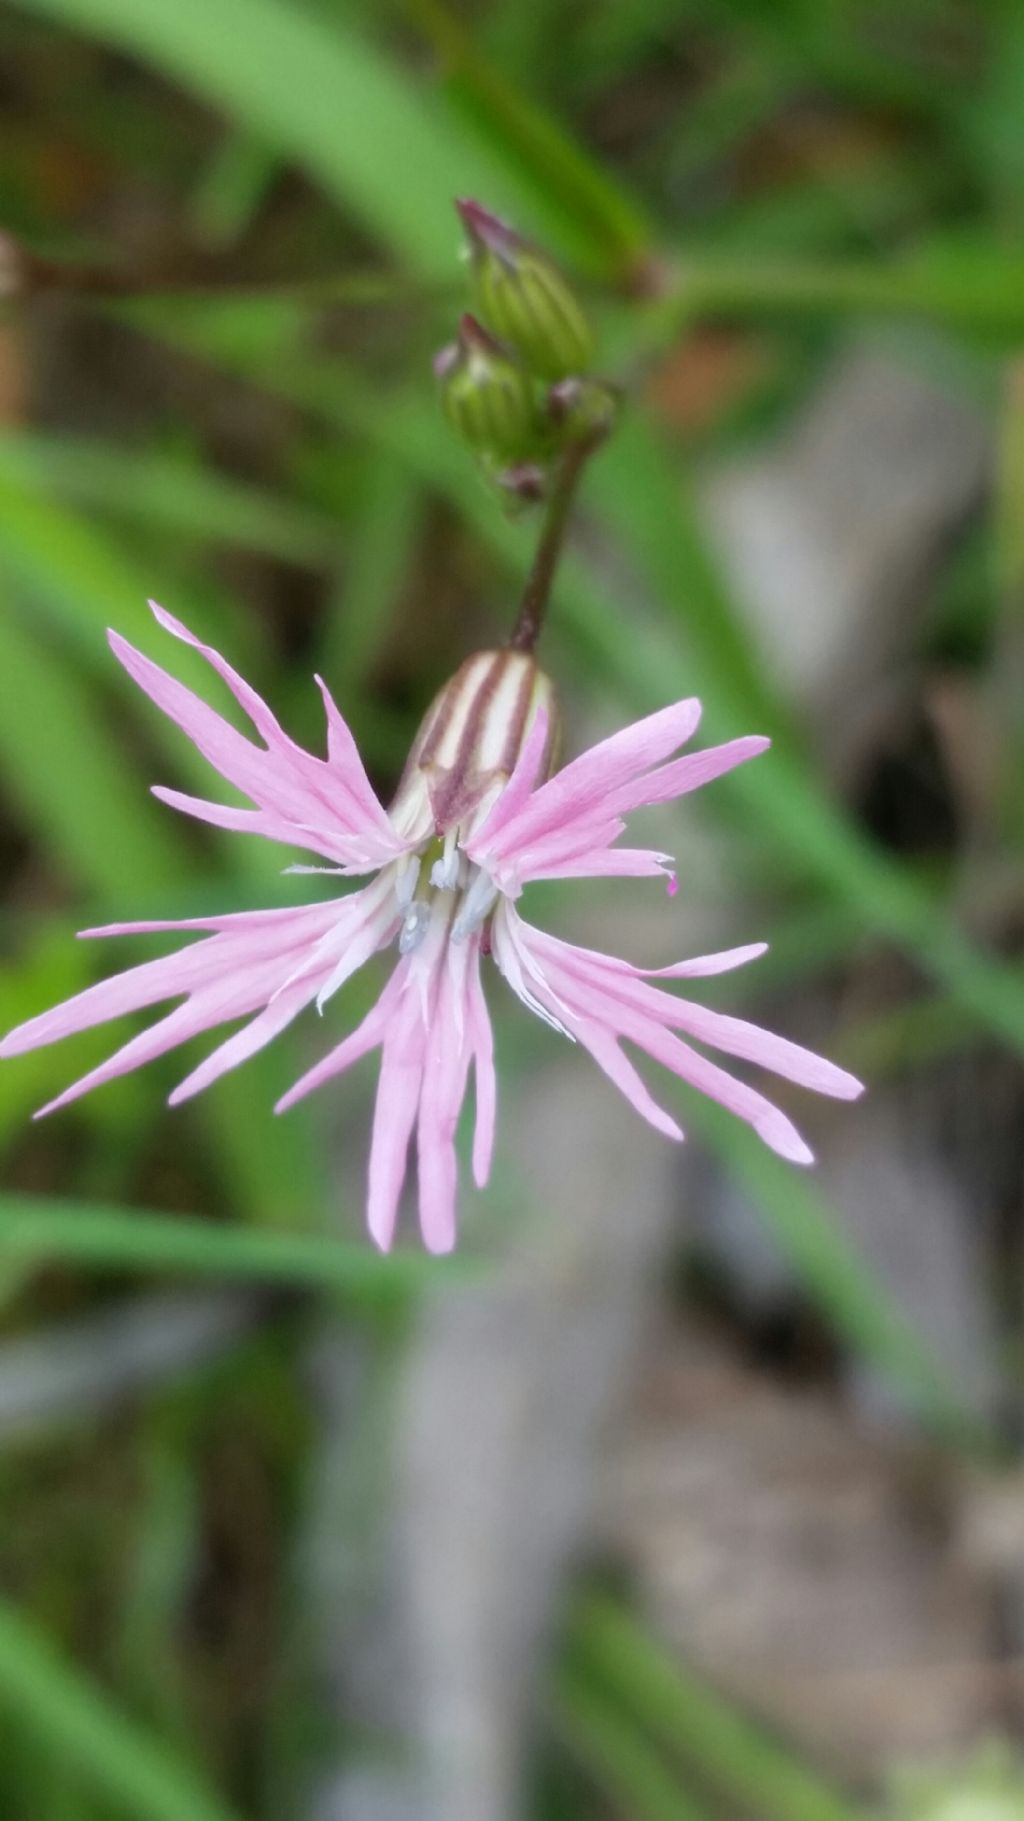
(367, 1036)
(482, 1039)
(596, 993)
(228, 954)
(446, 1068)
(701, 966)
(398, 1096)
(605, 1049)
(684, 775)
(344, 778)
(271, 1021)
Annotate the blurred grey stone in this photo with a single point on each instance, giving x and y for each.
(504, 1400)
(830, 536)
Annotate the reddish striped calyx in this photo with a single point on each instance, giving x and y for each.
(468, 744)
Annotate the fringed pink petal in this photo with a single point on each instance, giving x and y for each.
(262, 717)
(604, 1048)
(701, 966)
(348, 769)
(243, 1044)
(735, 1036)
(345, 777)
(277, 918)
(233, 996)
(770, 1124)
(607, 863)
(366, 1036)
(751, 1044)
(446, 1069)
(226, 955)
(574, 794)
(355, 853)
(595, 991)
(686, 774)
(482, 1040)
(250, 769)
(398, 1095)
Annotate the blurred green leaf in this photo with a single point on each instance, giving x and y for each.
(233, 186)
(977, 288)
(166, 492)
(612, 1749)
(75, 1719)
(71, 783)
(40, 1228)
(387, 520)
(526, 137)
(673, 1705)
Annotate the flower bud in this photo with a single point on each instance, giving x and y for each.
(524, 484)
(470, 739)
(522, 296)
(581, 410)
(486, 395)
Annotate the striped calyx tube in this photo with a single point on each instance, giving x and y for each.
(522, 297)
(460, 765)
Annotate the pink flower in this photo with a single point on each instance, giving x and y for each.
(475, 819)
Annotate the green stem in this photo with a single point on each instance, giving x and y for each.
(537, 592)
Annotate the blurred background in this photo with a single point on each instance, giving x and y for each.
(692, 1488)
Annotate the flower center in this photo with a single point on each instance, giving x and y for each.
(436, 873)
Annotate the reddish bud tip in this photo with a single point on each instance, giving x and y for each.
(475, 339)
(487, 232)
(525, 481)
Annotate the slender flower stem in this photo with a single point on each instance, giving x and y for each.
(537, 592)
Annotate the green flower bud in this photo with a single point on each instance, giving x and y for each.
(582, 410)
(487, 397)
(522, 296)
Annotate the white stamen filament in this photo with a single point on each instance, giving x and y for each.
(414, 927)
(445, 872)
(407, 877)
(476, 905)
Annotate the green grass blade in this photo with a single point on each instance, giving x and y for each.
(84, 583)
(616, 1756)
(976, 290)
(75, 1720)
(599, 216)
(131, 1239)
(231, 190)
(167, 493)
(386, 523)
(63, 769)
(675, 1706)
